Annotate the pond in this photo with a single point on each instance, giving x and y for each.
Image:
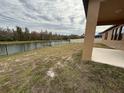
(8, 49)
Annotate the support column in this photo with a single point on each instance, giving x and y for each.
(92, 16)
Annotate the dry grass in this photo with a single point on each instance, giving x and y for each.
(100, 45)
(28, 73)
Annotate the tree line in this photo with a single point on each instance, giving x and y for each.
(19, 34)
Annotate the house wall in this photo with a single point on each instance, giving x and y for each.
(118, 44)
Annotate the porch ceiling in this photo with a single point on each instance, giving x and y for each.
(111, 12)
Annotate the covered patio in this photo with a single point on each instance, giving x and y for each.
(100, 12)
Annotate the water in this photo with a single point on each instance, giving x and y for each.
(16, 48)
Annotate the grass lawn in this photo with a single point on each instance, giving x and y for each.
(21, 42)
(58, 70)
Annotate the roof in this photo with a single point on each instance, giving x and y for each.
(86, 6)
(112, 27)
(111, 12)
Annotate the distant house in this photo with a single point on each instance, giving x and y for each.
(114, 37)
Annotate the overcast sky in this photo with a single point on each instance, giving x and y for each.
(58, 16)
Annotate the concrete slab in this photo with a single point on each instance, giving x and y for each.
(109, 56)
(96, 40)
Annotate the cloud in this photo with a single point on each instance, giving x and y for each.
(60, 16)
(46, 18)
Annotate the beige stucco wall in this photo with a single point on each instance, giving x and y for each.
(118, 44)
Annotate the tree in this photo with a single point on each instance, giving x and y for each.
(41, 35)
(50, 36)
(27, 34)
(35, 35)
(19, 33)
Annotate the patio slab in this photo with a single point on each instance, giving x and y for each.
(109, 56)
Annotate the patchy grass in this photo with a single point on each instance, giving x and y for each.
(28, 73)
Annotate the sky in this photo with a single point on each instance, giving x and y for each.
(58, 16)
